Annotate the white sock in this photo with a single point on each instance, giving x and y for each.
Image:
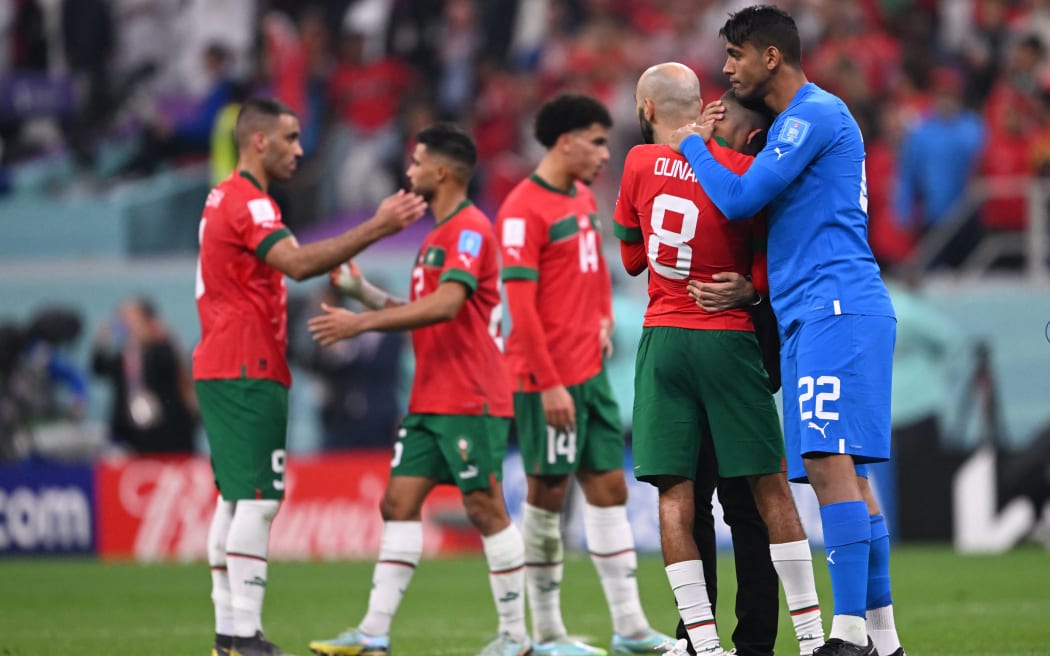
(399, 553)
(883, 630)
(246, 548)
(794, 564)
(611, 545)
(690, 592)
(505, 553)
(849, 628)
(220, 580)
(544, 552)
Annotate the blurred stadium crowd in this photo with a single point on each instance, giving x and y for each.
(943, 89)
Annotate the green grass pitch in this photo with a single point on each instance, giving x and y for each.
(946, 604)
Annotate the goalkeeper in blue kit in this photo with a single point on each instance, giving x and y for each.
(834, 315)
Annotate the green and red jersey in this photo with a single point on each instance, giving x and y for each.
(663, 210)
(241, 300)
(459, 363)
(551, 236)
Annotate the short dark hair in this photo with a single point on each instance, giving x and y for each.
(254, 112)
(763, 26)
(451, 141)
(567, 113)
(757, 117)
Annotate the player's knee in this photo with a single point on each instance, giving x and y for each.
(485, 511)
(394, 509)
(604, 489)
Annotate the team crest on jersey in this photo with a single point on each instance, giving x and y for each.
(463, 444)
(261, 210)
(794, 131)
(434, 256)
(469, 243)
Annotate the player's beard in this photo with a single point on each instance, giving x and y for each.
(648, 133)
(426, 193)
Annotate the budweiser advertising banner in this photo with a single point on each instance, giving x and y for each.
(154, 509)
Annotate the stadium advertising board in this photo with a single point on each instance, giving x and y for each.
(153, 509)
(46, 508)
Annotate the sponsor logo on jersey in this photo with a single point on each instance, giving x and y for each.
(820, 429)
(513, 233)
(794, 131)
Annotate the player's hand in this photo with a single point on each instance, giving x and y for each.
(605, 331)
(335, 324)
(726, 290)
(713, 111)
(399, 211)
(559, 408)
(704, 129)
(347, 279)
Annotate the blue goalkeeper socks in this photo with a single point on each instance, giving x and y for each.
(879, 565)
(847, 537)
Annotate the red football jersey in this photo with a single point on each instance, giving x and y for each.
(459, 363)
(684, 235)
(241, 300)
(552, 237)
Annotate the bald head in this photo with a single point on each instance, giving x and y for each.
(674, 91)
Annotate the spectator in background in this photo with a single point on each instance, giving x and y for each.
(938, 157)
(153, 408)
(191, 135)
(360, 380)
(89, 42)
(1006, 160)
(364, 96)
(461, 38)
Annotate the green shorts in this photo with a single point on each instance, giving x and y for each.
(597, 445)
(693, 385)
(464, 450)
(246, 421)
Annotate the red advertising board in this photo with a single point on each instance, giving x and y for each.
(159, 509)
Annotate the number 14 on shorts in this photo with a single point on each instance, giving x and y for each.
(560, 443)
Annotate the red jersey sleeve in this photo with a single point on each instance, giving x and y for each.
(258, 224)
(521, 301)
(626, 226)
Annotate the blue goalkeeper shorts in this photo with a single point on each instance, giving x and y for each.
(837, 375)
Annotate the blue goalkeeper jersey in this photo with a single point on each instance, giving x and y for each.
(810, 178)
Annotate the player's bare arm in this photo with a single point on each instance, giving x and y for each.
(605, 331)
(348, 280)
(300, 262)
(559, 408)
(727, 290)
(338, 323)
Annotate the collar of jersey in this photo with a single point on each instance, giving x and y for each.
(721, 142)
(464, 203)
(571, 192)
(251, 178)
